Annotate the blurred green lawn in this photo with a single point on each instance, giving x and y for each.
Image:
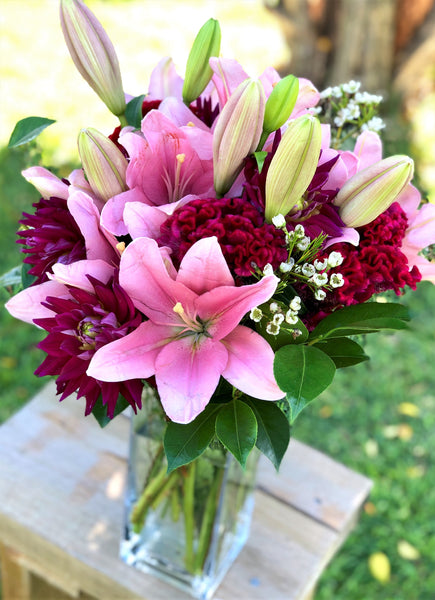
(361, 420)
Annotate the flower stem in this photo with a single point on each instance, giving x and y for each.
(188, 507)
(208, 521)
(140, 509)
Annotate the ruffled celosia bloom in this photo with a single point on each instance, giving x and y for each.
(193, 334)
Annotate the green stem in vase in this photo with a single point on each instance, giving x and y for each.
(163, 492)
(188, 507)
(175, 505)
(208, 520)
(143, 503)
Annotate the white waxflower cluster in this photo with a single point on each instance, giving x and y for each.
(279, 317)
(374, 124)
(348, 114)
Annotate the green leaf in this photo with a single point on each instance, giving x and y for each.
(133, 111)
(26, 279)
(100, 410)
(28, 129)
(361, 318)
(260, 157)
(344, 352)
(236, 428)
(273, 429)
(302, 372)
(12, 277)
(185, 442)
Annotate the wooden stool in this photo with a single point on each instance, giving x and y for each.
(61, 510)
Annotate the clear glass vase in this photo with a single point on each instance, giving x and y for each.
(189, 526)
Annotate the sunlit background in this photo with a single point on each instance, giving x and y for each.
(377, 418)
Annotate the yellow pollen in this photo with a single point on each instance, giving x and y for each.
(178, 308)
(120, 247)
(190, 124)
(180, 158)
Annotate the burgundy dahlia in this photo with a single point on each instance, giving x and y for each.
(82, 324)
(239, 227)
(50, 236)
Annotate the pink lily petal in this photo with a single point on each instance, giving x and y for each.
(180, 114)
(227, 305)
(368, 148)
(26, 305)
(204, 267)
(409, 199)
(326, 137)
(46, 183)
(142, 220)
(87, 217)
(269, 78)
(421, 230)
(349, 235)
(165, 81)
(145, 277)
(112, 215)
(76, 273)
(187, 381)
(131, 357)
(307, 98)
(228, 74)
(250, 364)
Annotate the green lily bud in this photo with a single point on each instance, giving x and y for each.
(198, 71)
(371, 191)
(103, 163)
(293, 166)
(279, 105)
(93, 53)
(237, 132)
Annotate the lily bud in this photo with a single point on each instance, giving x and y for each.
(237, 133)
(371, 191)
(198, 71)
(93, 53)
(293, 166)
(280, 103)
(103, 163)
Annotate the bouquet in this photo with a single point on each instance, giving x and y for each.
(217, 255)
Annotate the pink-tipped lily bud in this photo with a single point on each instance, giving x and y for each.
(371, 191)
(237, 132)
(103, 163)
(93, 53)
(293, 166)
(198, 71)
(280, 103)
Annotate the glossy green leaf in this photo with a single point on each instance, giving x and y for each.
(28, 129)
(361, 318)
(100, 410)
(343, 351)
(273, 435)
(133, 111)
(236, 428)
(185, 442)
(302, 372)
(11, 278)
(26, 279)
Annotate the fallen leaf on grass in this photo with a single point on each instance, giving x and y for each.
(415, 472)
(379, 566)
(409, 409)
(371, 448)
(405, 432)
(326, 411)
(370, 508)
(407, 550)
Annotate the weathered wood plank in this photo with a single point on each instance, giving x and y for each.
(16, 580)
(61, 504)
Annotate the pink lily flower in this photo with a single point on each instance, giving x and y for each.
(166, 165)
(192, 335)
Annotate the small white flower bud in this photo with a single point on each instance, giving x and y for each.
(299, 230)
(278, 221)
(336, 280)
(256, 314)
(291, 317)
(295, 304)
(278, 318)
(335, 259)
(296, 333)
(286, 267)
(308, 270)
(273, 307)
(320, 265)
(272, 328)
(320, 294)
(268, 269)
(303, 243)
(320, 279)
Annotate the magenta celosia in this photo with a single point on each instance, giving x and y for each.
(239, 227)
